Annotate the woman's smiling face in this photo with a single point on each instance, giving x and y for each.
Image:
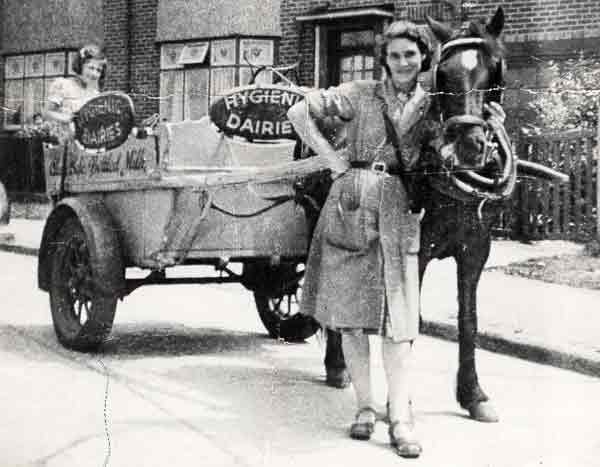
(404, 60)
(91, 71)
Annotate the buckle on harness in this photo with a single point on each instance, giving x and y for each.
(379, 167)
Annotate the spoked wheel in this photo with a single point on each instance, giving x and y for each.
(278, 308)
(81, 314)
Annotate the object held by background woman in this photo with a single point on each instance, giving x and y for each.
(362, 272)
(67, 95)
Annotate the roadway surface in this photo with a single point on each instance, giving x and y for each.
(189, 378)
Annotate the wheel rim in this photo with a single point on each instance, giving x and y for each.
(75, 284)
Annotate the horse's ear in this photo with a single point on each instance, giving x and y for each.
(495, 25)
(441, 31)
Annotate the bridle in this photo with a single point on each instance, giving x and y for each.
(470, 185)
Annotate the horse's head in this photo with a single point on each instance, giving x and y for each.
(469, 74)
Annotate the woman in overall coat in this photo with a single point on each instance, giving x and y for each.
(362, 273)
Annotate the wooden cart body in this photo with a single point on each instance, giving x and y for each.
(172, 194)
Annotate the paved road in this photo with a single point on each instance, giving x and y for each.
(189, 379)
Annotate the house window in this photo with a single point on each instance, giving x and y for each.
(193, 75)
(27, 79)
(353, 55)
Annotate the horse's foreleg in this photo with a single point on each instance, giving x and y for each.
(335, 365)
(469, 394)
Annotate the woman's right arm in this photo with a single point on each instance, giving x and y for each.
(318, 105)
(54, 109)
(53, 112)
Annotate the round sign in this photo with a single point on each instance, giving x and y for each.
(105, 121)
(256, 112)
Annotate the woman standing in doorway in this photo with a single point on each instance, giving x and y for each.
(362, 274)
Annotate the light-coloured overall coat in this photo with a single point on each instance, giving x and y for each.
(362, 268)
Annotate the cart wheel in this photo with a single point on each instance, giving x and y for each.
(81, 314)
(281, 318)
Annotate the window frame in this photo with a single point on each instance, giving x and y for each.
(213, 63)
(28, 80)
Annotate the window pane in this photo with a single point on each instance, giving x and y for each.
(14, 67)
(358, 63)
(55, 64)
(34, 97)
(171, 95)
(364, 38)
(196, 93)
(222, 52)
(368, 75)
(347, 64)
(34, 65)
(346, 77)
(169, 54)
(264, 77)
(13, 92)
(369, 62)
(221, 80)
(256, 51)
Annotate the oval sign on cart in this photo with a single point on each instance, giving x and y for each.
(256, 112)
(105, 121)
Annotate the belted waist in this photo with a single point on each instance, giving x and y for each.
(376, 167)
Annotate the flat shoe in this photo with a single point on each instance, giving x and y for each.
(405, 444)
(363, 430)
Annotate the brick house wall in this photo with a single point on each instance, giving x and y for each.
(536, 32)
(145, 57)
(298, 42)
(132, 53)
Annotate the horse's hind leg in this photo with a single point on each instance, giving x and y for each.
(470, 261)
(335, 365)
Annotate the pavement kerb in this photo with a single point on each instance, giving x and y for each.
(531, 352)
(485, 340)
(19, 249)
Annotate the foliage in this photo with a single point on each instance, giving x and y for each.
(46, 132)
(571, 100)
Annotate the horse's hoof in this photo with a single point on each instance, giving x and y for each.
(339, 379)
(483, 412)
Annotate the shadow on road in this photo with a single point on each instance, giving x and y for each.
(39, 343)
(173, 339)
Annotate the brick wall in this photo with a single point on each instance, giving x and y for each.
(294, 48)
(116, 44)
(526, 21)
(145, 57)
(132, 53)
(542, 20)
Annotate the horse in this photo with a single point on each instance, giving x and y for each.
(463, 188)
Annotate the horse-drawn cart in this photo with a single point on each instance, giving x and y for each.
(176, 194)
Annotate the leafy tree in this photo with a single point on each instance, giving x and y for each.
(572, 99)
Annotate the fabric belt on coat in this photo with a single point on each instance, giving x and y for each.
(376, 167)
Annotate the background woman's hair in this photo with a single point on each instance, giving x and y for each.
(89, 52)
(407, 30)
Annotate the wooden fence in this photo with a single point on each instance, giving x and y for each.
(545, 210)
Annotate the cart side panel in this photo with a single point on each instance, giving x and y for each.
(87, 170)
(143, 218)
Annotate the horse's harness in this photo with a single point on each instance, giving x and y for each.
(470, 185)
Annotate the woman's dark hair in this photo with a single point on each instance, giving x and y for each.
(407, 30)
(89, 52)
